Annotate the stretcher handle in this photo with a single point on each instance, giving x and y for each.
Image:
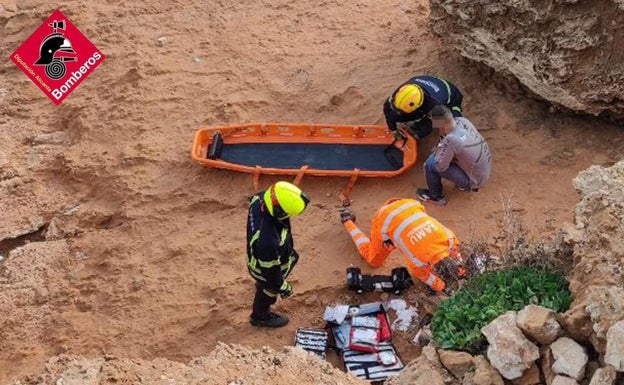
(344, 196)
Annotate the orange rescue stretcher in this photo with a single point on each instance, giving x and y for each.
(305, 149)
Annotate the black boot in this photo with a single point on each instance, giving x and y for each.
(272, 321)
(430, 291)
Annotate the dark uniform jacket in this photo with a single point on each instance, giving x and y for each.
(270, 252)
(435, 91)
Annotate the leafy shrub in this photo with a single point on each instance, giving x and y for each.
(458, 320)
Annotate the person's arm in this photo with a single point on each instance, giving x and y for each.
(391, 117)
(371, 250)
(444, 154)
(268, 257)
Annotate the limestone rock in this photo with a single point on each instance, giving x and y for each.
(511, 36)
(539, 324)
(570, 358)
(458, 363)
(604, 376)
(531, 376)
(576, 322)
(510, 352)
(590, 369)
(484, 374)
(425, 370)
(615, 346)
(547, 363)
(564, 380)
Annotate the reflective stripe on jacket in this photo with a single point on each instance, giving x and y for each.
(270, 252)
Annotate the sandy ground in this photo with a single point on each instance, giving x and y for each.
(144, 250)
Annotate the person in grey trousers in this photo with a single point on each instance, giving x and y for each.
(462, 156)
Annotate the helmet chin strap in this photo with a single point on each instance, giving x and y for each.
(278, 212)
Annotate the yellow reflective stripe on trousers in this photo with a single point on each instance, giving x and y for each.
(390, 217)
(399, 240)
(269, 293)
(448, 89)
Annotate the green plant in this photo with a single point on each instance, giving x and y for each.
(458, 320)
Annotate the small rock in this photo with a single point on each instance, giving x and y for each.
(547, 363)
(196, 59)
(161, 41)
(570, 358)
(604, 376)
(577, 322)
(615, 346)
(1, 258)
(510, 352)
(458, 363)
(484, 374)
(539, 324)
(564, 380)
(531, 376)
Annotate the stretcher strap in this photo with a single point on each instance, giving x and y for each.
(300, 175)
(344, 196)
(256, 178)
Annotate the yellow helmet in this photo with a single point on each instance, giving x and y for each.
(408, 98)
(285, 200)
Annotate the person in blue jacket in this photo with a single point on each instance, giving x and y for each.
(412, 101)
(271, 255)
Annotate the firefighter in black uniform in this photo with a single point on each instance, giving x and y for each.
(270, 252)
(412, 101)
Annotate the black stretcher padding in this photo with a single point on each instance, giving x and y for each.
(366, 157)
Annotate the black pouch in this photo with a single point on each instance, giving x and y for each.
(394, 155)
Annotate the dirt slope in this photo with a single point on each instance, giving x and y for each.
(137, 252)
(232, 365)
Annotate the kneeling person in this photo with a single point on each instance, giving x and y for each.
(462, 156)
(430, 250)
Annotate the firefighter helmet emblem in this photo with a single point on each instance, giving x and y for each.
(54, 51)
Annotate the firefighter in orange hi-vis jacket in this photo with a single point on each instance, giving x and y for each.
(431, 250)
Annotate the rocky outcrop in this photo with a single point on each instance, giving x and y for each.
(510, 352)
(539, 324)
(615, 346)
(567, 52)
(570, 358)
(598, 255)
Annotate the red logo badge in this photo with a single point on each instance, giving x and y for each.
(57, 57)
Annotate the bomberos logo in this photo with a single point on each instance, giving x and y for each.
(57, 57)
